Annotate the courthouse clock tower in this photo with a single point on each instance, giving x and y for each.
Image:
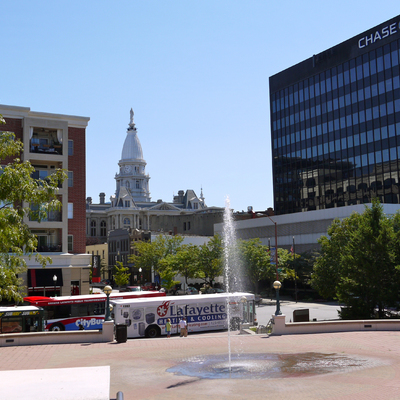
(132, 180)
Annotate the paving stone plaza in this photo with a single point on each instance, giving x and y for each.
(139, 367)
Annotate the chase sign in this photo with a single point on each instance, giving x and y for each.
(384, 32)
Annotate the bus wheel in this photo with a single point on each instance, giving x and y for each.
(57, 327)
(153, 331)
(235, 323)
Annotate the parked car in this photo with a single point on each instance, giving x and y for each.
(131, 289)
(214, 290)
(149, 286)
(174, 289)
(189, 290)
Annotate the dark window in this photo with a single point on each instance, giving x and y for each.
(70, 147)
(93, 228)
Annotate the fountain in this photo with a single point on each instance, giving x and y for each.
(260, 365)
(271, 366)
(232, 267)
(233, 273)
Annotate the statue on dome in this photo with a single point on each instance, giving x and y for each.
(131, 123)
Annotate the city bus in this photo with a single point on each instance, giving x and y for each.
(71, 313)
(17, 319)
(147, 317)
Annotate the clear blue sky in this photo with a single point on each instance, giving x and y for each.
(195, 73)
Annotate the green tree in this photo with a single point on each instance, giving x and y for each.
(210, 260)
(18, 193)
(187, 262)
(121, 274)
(359, 263)
(285, 264)
(303, 265)
(149, 254)
(182, 262)
(256, 260)
(167, 273)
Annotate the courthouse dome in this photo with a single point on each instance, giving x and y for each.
(132, 149)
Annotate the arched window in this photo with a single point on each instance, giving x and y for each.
(93, 228)
(103, 228)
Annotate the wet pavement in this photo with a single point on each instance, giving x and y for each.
(349, 365)
(268, 366)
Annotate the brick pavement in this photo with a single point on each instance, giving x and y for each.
(138, 367)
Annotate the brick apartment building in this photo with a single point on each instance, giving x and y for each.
(56, 141)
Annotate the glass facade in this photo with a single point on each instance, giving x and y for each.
(336, 133)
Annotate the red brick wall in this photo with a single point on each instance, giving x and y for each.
(77, 193)
(15, 126)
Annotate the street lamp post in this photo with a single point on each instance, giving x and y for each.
(276, 246)
(141, 276)
(107, 290)
(55, 284)
(277, 286)
(295, 276)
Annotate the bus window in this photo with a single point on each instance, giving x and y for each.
(30, 325)
(63, 311)
(96, 308)
(79, 310)
(11, 324)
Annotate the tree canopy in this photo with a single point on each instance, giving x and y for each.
(121, 274)
(169, 257)
(149, 255)
(359, 263)
(209, 260)
(18, 192)
(257, 261)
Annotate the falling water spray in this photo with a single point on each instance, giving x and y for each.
(232, 265)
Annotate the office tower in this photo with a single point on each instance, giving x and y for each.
(335, 125)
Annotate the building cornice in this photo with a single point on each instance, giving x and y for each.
(23, 112)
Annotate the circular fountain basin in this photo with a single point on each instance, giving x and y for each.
(267, 366)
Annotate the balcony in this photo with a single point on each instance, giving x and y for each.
(52, 216)
(51, 247)
(43, 174)
(47, 145)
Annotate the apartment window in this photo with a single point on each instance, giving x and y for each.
(70, 243)
(103, 229)
(70, 210)
(70, 178)
(70, 147)
(93, 228)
